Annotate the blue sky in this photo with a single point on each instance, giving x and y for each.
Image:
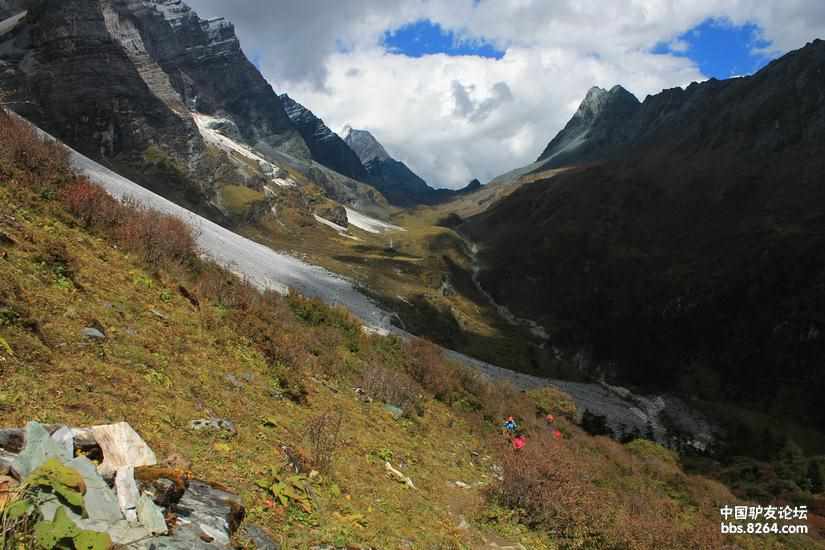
(719, 48)
(426, 38)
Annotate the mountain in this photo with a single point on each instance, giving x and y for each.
(692, 256)
(325, 145)
(599, 123)
(400, 185)
(122, 81)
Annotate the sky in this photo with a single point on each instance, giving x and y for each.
(463, 89)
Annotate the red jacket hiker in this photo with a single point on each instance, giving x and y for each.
(519, 442)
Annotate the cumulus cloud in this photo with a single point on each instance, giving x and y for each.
(455, 118)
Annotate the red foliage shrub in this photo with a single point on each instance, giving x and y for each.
(426, 365)
(156, 237)
(92, 205)
(29, 159)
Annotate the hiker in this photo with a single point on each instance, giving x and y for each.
(519, 442)
(510, 424)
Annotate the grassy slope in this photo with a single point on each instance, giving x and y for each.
(165, 363)
(407, 278)
(158, 374)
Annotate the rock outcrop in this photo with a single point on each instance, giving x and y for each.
(122, 81)
(326, 146)
(139, 505)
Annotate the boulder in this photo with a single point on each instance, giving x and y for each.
(207, 518)
(39, 448)
(121, 446)
(100, 500)
(64, 437)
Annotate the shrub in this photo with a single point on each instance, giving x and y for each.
(28, 159)
(426, 366)
(324, 433)
(92, 205)
(393, 387)
(158, 238)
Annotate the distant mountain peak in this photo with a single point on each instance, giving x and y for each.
(365, 145)
(597, 122)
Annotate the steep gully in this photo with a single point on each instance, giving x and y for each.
(280, 272)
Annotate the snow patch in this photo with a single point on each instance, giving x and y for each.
(368, 224)
(8, 24)
(206, 125)
(342, 231)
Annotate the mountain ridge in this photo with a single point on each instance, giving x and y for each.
(707, 219)
(326, 146)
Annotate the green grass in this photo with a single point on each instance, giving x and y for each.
(237, 199)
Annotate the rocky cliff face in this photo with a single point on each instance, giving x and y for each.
(326, 146)
(119, 79)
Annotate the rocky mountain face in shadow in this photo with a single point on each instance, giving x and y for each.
(394, 179)
(326, 146)
(599, 124)
(693, 256)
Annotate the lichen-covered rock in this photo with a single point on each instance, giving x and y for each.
(39, 448)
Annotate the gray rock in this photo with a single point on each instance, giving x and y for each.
(100, 501)
(214, 424)
(259, 538)
(212, 511)
(336, 214)
(65, 437)
(39, 448)
(127, 492)
(121, 532)
(151, 516)
(92, 334)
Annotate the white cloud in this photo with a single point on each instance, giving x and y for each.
(455, 118)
